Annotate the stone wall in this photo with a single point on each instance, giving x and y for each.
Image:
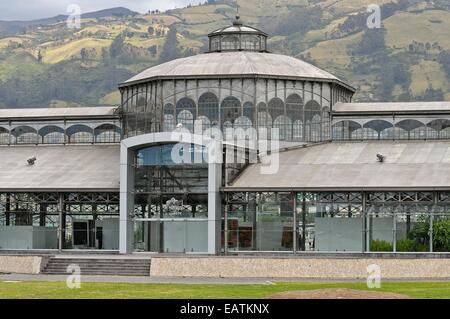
(308, 268)
(21, 264)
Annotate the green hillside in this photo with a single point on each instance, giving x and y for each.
(47, 64)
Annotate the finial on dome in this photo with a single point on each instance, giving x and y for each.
(237, 21)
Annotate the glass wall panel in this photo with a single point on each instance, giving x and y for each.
(171, 236)
(441, 231)
(412, 231)
(171, 198)
(380, 229)
(330, 222)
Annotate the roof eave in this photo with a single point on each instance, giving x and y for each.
(234, 76)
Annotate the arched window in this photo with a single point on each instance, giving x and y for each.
(107, 133)
(411, 129)
(230, 42)
(251, 43)
(441, 128)
(52, 134)
(4, 136)
(25, 135)
(380, 129)
(294, 107)
(80, 133)
(312, 108)
(230, 110)
(215, 44)
(312, 122)
(186, 119)
(208, 105)
(186, 113)
(343, 130)
(276, 107)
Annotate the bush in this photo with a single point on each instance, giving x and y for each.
(409, 245)
(380, 245)
(441, 235)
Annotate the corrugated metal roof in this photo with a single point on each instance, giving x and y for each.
(60, 167)
(409, 164)
(58, 112)
(391, 107)
(239, 63)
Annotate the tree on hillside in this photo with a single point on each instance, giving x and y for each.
(116, 48)
(444, 59)
(372, 42)
(171, 49)
(39, 56)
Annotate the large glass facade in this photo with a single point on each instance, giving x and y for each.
(336, 222)
(301, 111)
(171, 199)
(59, 221)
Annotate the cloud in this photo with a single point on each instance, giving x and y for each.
(36, 9)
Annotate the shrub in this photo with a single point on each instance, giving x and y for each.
(380, 245)
(441, 235)
(409, 245)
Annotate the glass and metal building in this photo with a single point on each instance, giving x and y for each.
(152, 175)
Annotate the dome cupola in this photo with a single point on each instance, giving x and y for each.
(237, 37)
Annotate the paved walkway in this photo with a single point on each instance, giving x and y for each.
(181, 280)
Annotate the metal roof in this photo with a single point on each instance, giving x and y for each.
(77, 167)
(101, 111)
(391, 107)
(237, 28)
(354, 165)
(235, 64)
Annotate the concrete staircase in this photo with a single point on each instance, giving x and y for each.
(99, 266)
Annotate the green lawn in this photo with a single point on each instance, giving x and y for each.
(9, 290)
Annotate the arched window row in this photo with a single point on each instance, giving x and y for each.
(407, 129)
(54, 134)
(284, 115)
(293, 119)
(191, 92)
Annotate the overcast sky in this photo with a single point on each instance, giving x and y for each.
(36, 9)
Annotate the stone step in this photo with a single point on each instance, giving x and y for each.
(64, 269)
(99, 266)
(107, 262)
(101, 273)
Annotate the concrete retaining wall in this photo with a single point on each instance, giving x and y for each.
(22, 264)
(313, 268)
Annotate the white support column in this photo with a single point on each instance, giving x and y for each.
(214, 207)
(126, 200)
